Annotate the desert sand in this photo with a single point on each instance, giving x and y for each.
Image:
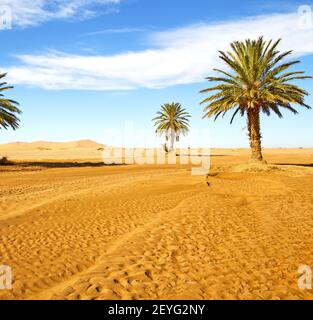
(72, 228)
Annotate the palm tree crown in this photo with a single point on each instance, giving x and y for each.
(8, 108)
(172, 121)
(258, 81)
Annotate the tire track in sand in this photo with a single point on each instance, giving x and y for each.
(63, 238)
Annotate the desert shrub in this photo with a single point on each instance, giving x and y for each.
(4, 161)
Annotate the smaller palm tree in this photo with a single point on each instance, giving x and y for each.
(8, 108)
(172, 121)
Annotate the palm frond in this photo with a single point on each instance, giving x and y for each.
(8, 108)
(258, 78)
(172, 118)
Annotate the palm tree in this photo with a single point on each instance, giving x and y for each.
(259, 81)
(8, 108)
(172, 121)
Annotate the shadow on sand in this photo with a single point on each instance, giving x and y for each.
(55, 164)
(72, 164)
(307, 165)
(203, 155)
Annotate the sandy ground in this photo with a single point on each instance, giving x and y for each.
(85, 231)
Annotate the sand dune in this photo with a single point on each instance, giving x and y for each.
(153, 231)
(50, 145)
(40, 150)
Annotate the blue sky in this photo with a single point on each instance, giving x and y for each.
(84, 67)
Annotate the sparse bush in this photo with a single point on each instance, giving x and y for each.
(4, 161)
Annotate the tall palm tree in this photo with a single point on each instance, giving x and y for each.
(172, 121)
(8, 108)
(258, 81)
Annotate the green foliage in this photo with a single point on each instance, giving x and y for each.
(8, 108)
(258, 80)
(172, 121)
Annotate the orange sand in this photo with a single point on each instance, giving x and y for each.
(85, 231)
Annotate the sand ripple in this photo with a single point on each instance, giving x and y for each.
(102, 233)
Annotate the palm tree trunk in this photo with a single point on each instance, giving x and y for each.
(255, 134)
(172, 139)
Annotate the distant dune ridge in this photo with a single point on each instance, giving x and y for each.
(47, 145)
(89, 150)
(46, 150)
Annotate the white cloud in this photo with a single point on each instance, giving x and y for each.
(115, 31)
(180, 56)
(33, 12)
